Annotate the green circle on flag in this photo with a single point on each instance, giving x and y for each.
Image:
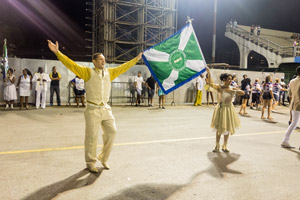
(177, 60)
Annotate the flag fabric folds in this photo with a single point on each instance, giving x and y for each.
(176, 60)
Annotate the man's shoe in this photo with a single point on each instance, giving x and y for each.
(92, 168)
(50, 104)
(103, 163)
(286, 145)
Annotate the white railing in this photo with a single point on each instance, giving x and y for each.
(283, 51)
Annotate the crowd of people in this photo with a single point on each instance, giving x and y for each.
(40, 81)
(265, 95)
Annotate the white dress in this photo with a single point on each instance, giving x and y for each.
(10, 92)
(24, 86)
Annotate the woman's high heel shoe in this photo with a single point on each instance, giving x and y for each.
(225, 149)
(217, 148)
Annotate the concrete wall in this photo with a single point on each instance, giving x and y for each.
(246, 46)
(185, 94)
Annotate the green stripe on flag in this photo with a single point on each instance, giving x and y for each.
(161, 69)
(192, 50)
(169, 45)
(184, 74)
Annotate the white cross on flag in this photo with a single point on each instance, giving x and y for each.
(176, 60)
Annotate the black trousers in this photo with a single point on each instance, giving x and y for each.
(56, 90)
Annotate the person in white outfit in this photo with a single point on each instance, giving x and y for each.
(24, 85)
(294, 94)
(41, 80)
(10, 93)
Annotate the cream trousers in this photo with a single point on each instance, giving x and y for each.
(94, 117)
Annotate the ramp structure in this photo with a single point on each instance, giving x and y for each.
(123, 28)
(276, 46)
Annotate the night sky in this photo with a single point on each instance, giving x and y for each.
(27, 25)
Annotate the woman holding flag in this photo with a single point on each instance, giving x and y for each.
(225, 118)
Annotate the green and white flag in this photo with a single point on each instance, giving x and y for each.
(177, 60)
(4, 60)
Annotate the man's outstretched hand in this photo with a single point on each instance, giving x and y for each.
(53, 47)
(140, 56)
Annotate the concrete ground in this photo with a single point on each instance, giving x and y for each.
(158, 154)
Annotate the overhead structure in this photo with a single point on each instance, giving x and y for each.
(123, 28)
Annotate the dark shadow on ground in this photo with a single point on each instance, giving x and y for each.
(245, 115)
(146, 192)
(295, 151)
(220, 162)
(269, 121)
(73, 182)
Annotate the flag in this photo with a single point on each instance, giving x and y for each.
(4, 60)
(176, 60)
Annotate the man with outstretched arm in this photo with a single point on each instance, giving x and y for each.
(98, 112)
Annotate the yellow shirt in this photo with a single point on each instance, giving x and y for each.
(97, 86)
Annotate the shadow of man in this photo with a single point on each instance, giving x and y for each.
(73, 182)
(296, 152)
(220, 162)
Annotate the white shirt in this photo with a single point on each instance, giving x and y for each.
(276, 88)
(79, 84)
(41, 82)
(234, 84)
(199, 82)
(256, 88)
(139, 81)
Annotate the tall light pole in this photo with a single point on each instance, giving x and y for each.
(214, 32)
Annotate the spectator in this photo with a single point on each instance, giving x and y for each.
(258, 30)
(276, 90)
(10, 93)
(234, 85)
(79, 91)
(252, 30)
(24, 85)
(138, 82)
(245, 97)
(209, 90)
(294, 107)
(296, 43)
(256, 90)
(150, 84)
(161, 96)
(231, 24)
(267, 96)
(282, 92)
(199, 87)
(235, 23)
(40, 79)
(54, 86)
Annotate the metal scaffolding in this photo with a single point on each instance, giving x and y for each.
(123, 28)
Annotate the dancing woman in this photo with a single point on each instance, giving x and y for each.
(225, 118)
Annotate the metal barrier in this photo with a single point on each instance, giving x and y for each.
(125, 93)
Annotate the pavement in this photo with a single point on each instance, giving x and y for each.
(158, 154)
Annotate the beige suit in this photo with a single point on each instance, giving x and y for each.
(294, 93)
(97, 112)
